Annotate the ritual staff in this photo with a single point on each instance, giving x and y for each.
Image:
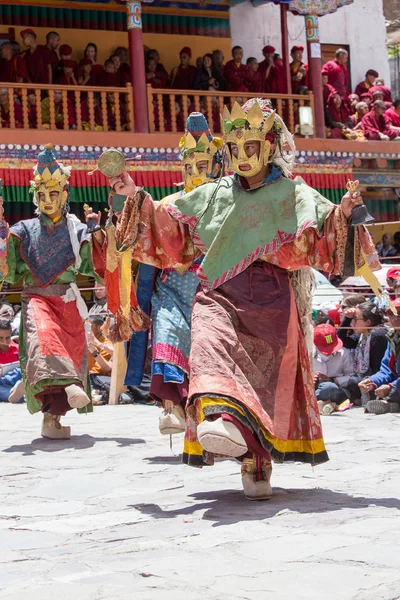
(12, 67)
(236, 74)
(376, 125)
(182, 77)
(271, 73)
(365, 86)
(48, 252)
(38, 59)
(338, 75)
(174, 292)
(393, 114)
(298, 69)
(251, 393)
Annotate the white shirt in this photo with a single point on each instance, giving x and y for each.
(340, 364)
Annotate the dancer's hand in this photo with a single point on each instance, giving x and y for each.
(123, 185)
(92, 216)
(349, 201)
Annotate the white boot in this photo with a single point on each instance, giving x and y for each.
(77, 397)
(221, 437)
(172, 419)
(52, 428)
(253, 489)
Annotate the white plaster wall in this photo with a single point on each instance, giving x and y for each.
(361, 25)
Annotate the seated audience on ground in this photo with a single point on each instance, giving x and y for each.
(361, 109)
(376, 125)
(327, 89)
(5, 110)
(99, 306)
(386, 91)
(271, 73)
(12, 66)
(385, 249)
(337, 115)
(100, 353)
(256, 82)
(208, 77)
(393, 114)
(38, 59)
(182, 77)
(59, 106)
(365, 86)
(218, 59)
(352, 101)
(298, 69)
(338, 75)
(11, 385)
(369, 342)
(332, 365)
(236, 74)
(384, 383)
(377, 95)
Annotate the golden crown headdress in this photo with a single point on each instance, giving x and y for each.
(48, 173)
(252, 125)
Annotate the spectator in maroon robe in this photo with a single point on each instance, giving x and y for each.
(361, 109)
(58, 111)
(352, 100)
(65, 54)
(12, 67)
(236, 74)
(67, 76)
(112, 113)
(32, 112)
(109, 76)
(218, 59)
(91, 52)
(327, 89)
(85, 76)
(365, 86)
(152, 74)
(52, 43)
(256, 83)
(161, 74)
(5, 113)
(376, 125)
(38, 59)
(182, 77)
(337, 115)
(298, 69)
(367, 98)
(393, 114)
(338, 75)
(380, 85)
(124, 70)
(272, 75)
(85, 114)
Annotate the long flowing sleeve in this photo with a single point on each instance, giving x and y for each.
(12, 268)
(156, 237)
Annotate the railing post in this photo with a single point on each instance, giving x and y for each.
(11, 104)
(77, 95)
(131, 118)
(150, 108)
(25, 110)
(65, 110)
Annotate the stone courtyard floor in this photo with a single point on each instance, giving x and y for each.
(113, 515)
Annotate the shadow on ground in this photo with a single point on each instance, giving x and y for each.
(230, 506)
(81, 442)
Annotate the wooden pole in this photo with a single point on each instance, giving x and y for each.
(138, 72)
(118, 372)
(314, 71)
(285, 47)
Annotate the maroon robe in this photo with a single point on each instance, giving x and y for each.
(105, 79)
(32, 117)
(182, 78)
(338, 77)
(124, 74)
(256, 82)
(362, 88)
(37, 64)
(371, 125)
(387, 92)
(393, 117)
(85, 114)
(336, 116)
(111, 118)
(275, 82)
(237, 77)
(296, 83)
(13, 70)
(327, 90)
(5, 116)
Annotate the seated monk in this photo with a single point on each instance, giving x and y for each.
(112, 113)
(386, 91)
(5, 113)
(367, 98)
(393, 114)
(109, 76)
(12, 67)
(365, 86)
(355, 120)
(32, 112)
(336, 115)
(85, 114)
(58, 111)
(352, 100)
(376, 125)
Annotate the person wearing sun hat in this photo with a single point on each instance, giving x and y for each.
(332, 367)
(251, 393)
(48, 252)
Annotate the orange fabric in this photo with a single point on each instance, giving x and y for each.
(93, 366)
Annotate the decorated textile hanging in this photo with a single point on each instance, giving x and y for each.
(317, 8)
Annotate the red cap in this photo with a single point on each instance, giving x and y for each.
(86, 61)
(65, 50)
(393, 273)
(396, 303)
(25, 32)
(297, 49)
(326, 339)
(268, 50)
(186, 50)
(68, 63)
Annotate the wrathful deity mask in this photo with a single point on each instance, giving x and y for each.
(198, 160)
(240, 127)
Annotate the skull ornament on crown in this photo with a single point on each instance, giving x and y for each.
(49, 183)
(200, 152)
(256, 121)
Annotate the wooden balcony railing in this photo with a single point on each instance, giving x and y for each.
(169, 109)
(55, 107)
